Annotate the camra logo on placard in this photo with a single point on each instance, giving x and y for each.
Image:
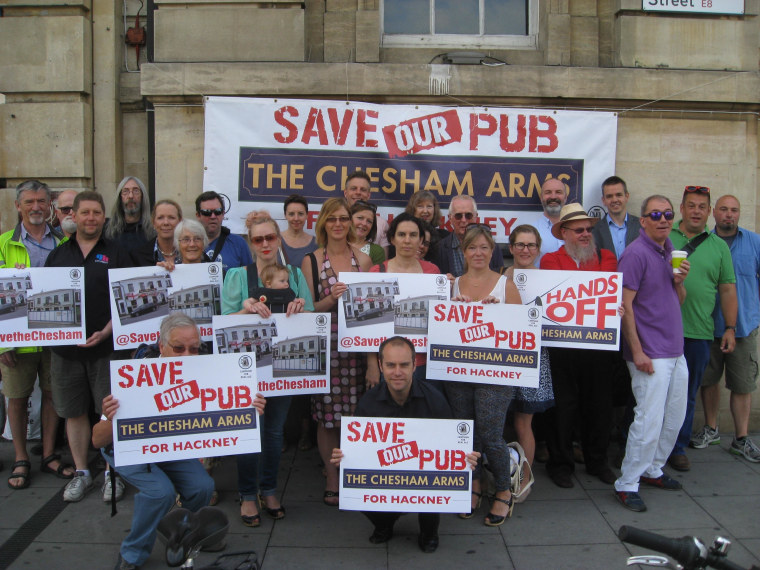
(533, 313)
(521, 278)
(596, 212)
(75, 274)
(463, 428)
(245, 362)
(441, 280)
(213, 269)
(321, 320)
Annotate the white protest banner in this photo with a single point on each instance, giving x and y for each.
(184, 407)
(405, 465)
(142, 296)
(258, 151)
(380, 305)
(291, 352)
(42, 306)
(580, 308)
(489, 344)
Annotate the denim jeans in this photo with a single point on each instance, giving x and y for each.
(158, 485)
(697, 353)
(257, 472)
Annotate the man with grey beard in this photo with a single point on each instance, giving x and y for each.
(553, 197)
(130, 223)
(580, 380)
(64, 211)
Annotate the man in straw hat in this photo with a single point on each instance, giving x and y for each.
(580, 380)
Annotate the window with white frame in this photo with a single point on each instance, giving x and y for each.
(460, 23)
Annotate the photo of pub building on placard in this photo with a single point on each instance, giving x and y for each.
(370, 301)
(300, 356)
(412, 314)
(138, 298)
(256, 338)
(13, 295)
(200, 302)
(55, 308)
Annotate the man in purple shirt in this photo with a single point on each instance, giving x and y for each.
(653, 350)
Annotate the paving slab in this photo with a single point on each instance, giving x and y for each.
(740, 515)
(569, 557)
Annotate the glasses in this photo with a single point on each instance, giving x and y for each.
(336, 219)
(364, 205)
(193, 239)
(209, 213)
(180, 348)
(579, 231)
(258, 240)
(466, 215)
(519, 246)
(697, 189)
(656, 215)
(130, 191)
(65, 209)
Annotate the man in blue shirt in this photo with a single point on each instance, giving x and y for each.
(553, 197)
(740, 366)
(618, 228)
(228, 248)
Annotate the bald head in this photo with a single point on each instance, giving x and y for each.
(726, 213)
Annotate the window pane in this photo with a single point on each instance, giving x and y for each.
(456, 17)
(406, 16)
(506, 17)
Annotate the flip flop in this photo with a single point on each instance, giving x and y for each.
(59, 472)
(23, 476)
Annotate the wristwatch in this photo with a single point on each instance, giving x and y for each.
(731, 327)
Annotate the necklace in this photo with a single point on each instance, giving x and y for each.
(171, 254)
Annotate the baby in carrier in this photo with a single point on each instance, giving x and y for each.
(276, 292)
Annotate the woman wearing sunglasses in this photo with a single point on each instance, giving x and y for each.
(335, 233)
(364, 218)
(525, 246)
(257, 473)
(487, 403)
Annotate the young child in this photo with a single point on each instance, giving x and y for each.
(276, 292)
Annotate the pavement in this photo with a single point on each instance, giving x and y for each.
(554, 528)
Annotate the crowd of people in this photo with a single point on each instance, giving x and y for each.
(680, 330)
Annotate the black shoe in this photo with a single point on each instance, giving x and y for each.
(122, 564)
(428, 542)
(604, 474)
(382, 534)
(562, 479)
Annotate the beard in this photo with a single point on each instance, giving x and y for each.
(132, 208)
(69, 226)
(581, 253)
(553, 209)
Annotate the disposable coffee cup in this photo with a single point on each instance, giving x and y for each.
(677, 256)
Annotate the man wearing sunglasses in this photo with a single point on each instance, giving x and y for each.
(228, 248)
(711, 274)
(740, 366)
(64, 212)
(653, 350)
(463, 211)
(582, 387)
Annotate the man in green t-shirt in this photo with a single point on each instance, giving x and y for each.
(711, 272)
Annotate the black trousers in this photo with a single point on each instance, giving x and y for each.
(428, 521)
(583, 387)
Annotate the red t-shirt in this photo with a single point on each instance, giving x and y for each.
(562, 261)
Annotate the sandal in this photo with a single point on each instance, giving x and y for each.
(330, 495)
(23, 476)
(472, 511)
(498, 520)
(276, 514)
(250, 520)
(60, 470)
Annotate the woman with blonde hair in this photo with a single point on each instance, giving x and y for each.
(335, 254)
(257, 473)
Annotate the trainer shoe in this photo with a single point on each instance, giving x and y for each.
(77, 488)
(704, 437)
(662, 482)
(107, 491)
(746, 448)
(631, 500)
